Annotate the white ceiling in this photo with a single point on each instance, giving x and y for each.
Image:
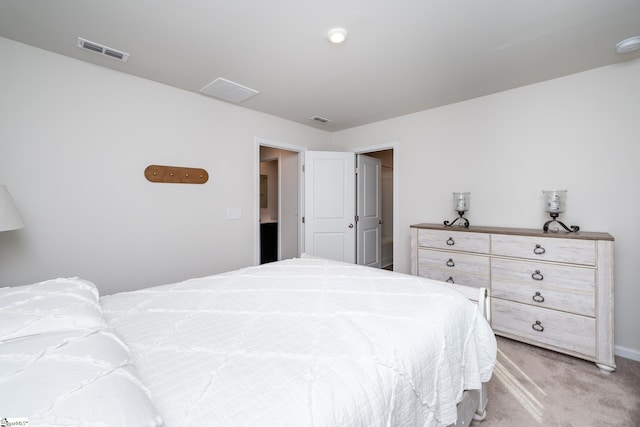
(401, 56)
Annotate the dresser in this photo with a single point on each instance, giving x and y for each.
(553, 290)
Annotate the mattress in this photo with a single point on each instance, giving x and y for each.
(304, 342)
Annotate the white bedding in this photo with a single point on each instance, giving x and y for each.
(72, 378)
(49, 306)
(305, 342)
(61, 366)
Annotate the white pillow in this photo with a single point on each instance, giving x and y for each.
(53, 305)
(73, 378)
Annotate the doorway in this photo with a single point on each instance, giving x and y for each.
(278, 193)
(386, 158)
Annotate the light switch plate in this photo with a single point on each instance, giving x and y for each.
(234, 213)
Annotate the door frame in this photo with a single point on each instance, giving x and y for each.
(395, 146)
(264, 142)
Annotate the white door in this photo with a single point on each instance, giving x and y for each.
(329, 201)
(369, 211)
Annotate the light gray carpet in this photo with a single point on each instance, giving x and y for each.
(536, 387)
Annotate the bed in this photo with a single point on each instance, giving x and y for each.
(301, 342)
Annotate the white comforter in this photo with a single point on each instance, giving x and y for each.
(61, 366)
(305, 342)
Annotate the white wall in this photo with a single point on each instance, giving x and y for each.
(74, 142)
(289, 201)
(578, 132)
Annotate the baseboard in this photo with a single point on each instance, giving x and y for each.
(627, 353)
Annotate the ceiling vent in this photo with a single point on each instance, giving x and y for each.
(227, 90)
(320, 119)
(102, 50)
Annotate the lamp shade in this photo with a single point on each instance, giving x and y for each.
(9, 216)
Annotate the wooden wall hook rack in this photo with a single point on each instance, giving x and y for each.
(176, 174)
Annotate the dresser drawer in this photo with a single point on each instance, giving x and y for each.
(572, 251)
(568, 331)
(570, 289)
(454, 240)
(459, 268)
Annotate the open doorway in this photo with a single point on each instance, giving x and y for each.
(279, 195)
(386, 196)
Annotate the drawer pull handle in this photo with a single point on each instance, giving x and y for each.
(537, 326)
(538, 250)
(537, 297)
(450, 280)
(537, 275)
(450, 241)
(450, 263)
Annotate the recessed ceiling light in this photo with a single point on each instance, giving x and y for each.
(628, 45)
(337, 35)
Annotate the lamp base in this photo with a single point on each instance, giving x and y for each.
(554, 218)
(464, 222)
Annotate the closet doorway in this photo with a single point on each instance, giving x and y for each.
(387, 201)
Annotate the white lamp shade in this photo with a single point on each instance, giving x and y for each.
(9, 216)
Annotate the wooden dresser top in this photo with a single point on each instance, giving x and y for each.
(582, 235)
